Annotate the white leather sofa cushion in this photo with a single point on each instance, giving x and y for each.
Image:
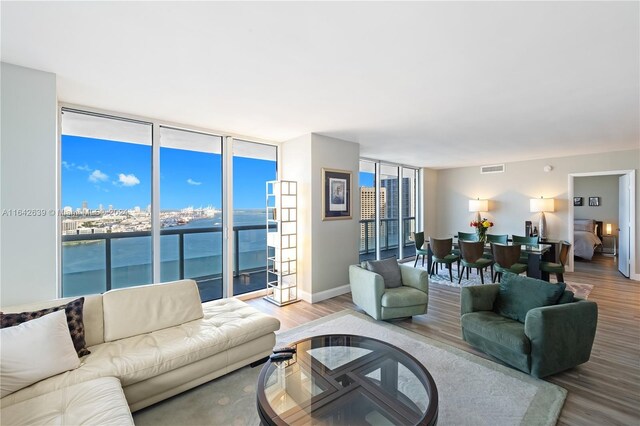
(138, 310)
(92, 314)
(96, 402)
(227, 323)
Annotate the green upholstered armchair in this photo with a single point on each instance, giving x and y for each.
(551, 338)
(369, 293)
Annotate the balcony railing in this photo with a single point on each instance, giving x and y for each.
(389, 241)
(253, 265)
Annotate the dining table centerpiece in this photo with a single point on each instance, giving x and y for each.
(481, 228)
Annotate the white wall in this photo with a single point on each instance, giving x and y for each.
(509, 192)
(326, 248)
(28, 247)
(335, 242)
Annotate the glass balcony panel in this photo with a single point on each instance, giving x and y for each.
(83, 268)
(131, 262)
(169, 258)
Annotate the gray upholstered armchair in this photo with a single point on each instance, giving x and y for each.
(410, 298)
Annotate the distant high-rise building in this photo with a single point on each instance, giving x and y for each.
(393, 197)
(368, 212)
(100, 207)
(85, 207)
(110, 207)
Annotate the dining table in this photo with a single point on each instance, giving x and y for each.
(536, 253)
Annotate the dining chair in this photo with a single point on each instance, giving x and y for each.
(441, 249)
(506, 260)
(557, 268)
(467, 236)
(500, 239)
(528, 241)
(471, 257)
(495, 238)
(418, 238)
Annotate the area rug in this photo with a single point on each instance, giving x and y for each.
(442, 277)
(472, 390)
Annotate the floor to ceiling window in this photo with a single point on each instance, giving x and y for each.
(190, 209)
(253, 165)
(391, 202)
(135, 191)
(106, 199)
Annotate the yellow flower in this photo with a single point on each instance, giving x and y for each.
(486, 224)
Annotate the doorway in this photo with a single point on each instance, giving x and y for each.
(624, 231)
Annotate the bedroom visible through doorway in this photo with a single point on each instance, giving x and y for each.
(600, 218)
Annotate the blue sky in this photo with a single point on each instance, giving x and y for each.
(366, 179)
(117, 173)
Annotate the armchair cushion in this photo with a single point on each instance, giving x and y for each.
(518, 295)
(403, 296)
(499, 330)
(388, 269)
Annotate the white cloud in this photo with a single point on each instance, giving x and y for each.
(66, 165)
(193, 182)
(98, 176)
(128, 180)
(84, 168)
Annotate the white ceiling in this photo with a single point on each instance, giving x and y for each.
(426, 84)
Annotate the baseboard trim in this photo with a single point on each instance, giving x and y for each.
(324, 295)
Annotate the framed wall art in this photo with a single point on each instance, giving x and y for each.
(577, 201)
(594, 201)
(336, 194)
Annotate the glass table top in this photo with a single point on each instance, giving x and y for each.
(344, 379)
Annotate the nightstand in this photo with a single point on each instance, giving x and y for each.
(614, 245)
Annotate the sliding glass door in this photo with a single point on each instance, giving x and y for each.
(253, 165)
(190, 209)
(388, 201)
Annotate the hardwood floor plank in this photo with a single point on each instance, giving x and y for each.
(603, 391)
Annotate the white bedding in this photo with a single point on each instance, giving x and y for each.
(584, 244)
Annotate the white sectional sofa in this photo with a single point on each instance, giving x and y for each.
(147, 343)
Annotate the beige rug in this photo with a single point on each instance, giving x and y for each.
(472, 390)
(580, 290)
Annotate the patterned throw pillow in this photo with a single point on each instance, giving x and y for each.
(73, 310)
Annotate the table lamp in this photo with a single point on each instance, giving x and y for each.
(541, 205)
(478, 206)
(608, 229)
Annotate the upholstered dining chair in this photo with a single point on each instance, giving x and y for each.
(528, 241)
(525, 240)
(500, 239)
(418, 238)
(471, 258)
(506, 260)
(467, 236)
(557, 268)
(441, 249)
(495, 238)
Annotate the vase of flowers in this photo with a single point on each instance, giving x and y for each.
(481, 228)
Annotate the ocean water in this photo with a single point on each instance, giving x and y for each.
(84, 265)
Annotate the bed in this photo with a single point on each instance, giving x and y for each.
(587, 236)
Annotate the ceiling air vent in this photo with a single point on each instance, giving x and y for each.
(495, 168)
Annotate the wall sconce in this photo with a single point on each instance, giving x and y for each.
(478, 206)
(541, 205)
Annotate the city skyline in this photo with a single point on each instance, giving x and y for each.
(103, 172)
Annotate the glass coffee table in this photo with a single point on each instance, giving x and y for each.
(347, 380)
